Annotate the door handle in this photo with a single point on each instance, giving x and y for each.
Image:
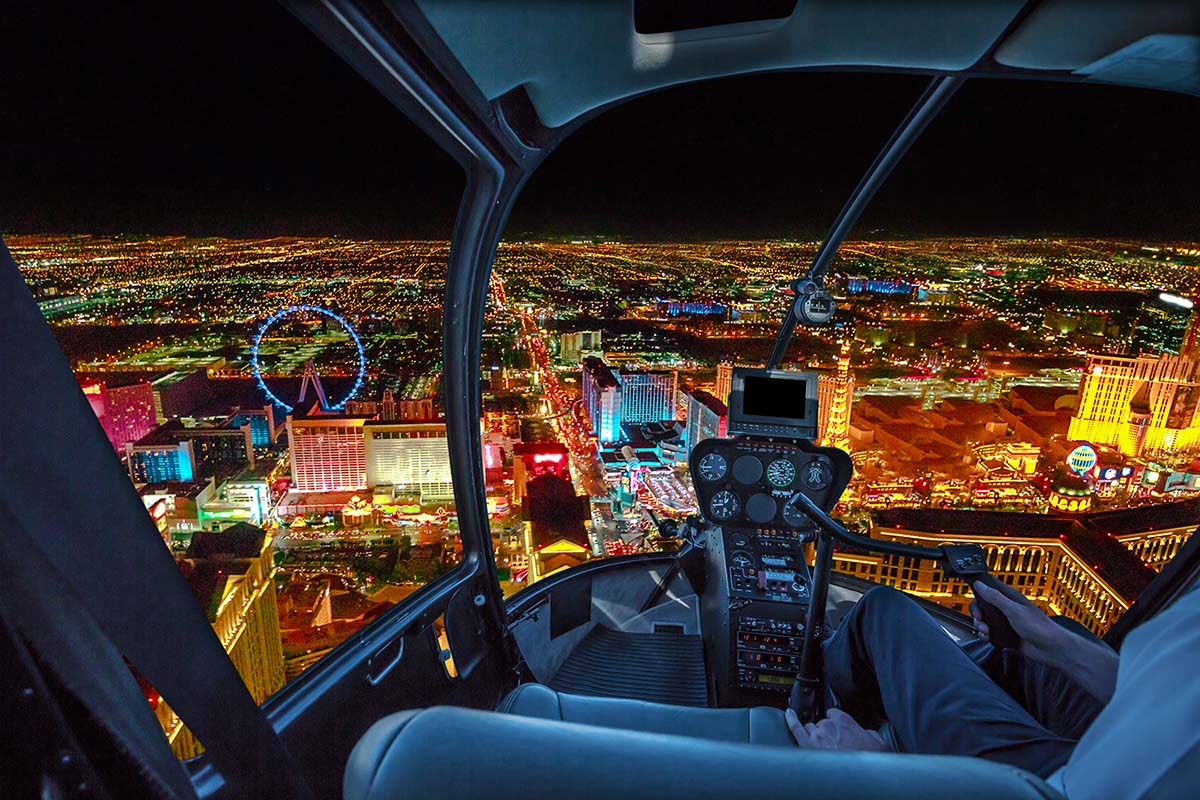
(384, 660)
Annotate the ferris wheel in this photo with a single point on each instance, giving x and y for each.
(310, 373)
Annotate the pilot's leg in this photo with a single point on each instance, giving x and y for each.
(890, 658)
(1052, 696)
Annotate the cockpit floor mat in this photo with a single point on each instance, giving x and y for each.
(659, 667)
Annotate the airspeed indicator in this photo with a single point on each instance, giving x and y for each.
(712, 467)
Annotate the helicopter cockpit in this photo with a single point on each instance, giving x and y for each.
(670, 672)
(730, 633)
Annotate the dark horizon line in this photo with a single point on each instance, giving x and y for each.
(568, 239)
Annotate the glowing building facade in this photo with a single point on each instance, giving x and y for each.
(574, 346)
(238, 500)
(706, 419)
(1090, 567)
(602, 399)
(647, 396)
(1140, 405)
(175, 453)
(533, 459)
(125, 412)
(232, 574)
(328, 453)
(409, 457)
(835, 397)
(262, 424)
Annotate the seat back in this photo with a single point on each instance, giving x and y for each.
(453, 753)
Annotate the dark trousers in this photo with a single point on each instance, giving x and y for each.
(890, 660)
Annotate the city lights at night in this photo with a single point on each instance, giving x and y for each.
(971, 389)
(821, 376)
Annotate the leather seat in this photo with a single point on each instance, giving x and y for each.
(452, 753)
(748, 725)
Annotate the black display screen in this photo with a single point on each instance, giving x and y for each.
(775, 397)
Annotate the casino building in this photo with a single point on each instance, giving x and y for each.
(1141, 405)
(629, 396)
(410, 457)
(1089, 567)
(232, 574)
(328, 452)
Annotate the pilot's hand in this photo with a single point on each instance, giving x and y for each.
(838, 731)
(1041, 639)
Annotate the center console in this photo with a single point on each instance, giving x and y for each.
(755, 603)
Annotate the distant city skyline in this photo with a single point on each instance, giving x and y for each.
(967, 377)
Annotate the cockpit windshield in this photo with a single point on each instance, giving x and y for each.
(1011, 361)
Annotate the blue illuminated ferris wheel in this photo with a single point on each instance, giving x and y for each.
(309, 371)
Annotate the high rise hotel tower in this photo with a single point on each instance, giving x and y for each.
(636, 396)
(835, 396)
(1141, 405)
(647, 396)
(602, 399)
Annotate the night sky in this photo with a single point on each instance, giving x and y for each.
(238, 121)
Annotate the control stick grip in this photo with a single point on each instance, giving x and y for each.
(1000, 630)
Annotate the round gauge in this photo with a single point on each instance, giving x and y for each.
(724, 505)
(739, 540)
(781, 473)
(816, 476)
(747, 470)
(712, 467)
(761, 508)
(740, 559)
(793, 516)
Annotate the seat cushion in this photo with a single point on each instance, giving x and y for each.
(749, 725)
(464, 754)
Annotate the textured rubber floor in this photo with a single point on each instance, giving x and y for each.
(659, 667)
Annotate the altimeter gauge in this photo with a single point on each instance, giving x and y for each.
(724, 505)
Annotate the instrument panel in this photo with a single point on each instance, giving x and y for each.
(749, 482)
(766, 564)
(759, 585)
(768, 653)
